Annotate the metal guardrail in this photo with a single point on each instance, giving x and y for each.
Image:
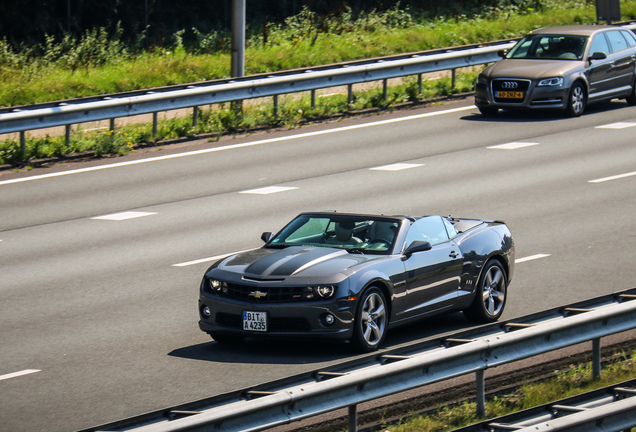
(398, 370)
(21, 119)
(610, 409)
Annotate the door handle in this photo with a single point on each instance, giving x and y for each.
(453, 254)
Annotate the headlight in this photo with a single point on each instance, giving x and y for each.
(319, 292)
(325, 291)
(216, 286)
(556, 81)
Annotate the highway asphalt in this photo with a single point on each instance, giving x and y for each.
(101, 260)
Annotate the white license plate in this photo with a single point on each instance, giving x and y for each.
(255, 321)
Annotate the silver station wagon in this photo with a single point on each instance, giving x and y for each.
(564, 68)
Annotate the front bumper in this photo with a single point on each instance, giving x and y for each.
(284, 320)
(535, 97)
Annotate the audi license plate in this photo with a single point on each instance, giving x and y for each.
(255, 321)
(509, 94)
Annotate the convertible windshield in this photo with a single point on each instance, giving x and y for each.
(354, 233)
(550, 47)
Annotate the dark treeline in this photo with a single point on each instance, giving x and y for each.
(28, 21)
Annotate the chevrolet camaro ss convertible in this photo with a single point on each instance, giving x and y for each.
(351, 277)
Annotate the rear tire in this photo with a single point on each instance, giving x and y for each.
(491, 294)
(576, 100)
(371, 321)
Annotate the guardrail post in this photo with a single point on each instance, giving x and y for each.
(353, 418)
(22, 145)
(275, 105)
(385, 89)
(313, 99)
(481, 393)
(195, 116)
(350, 94)
(419, 83)
(155, 128)
(453, 78)
(596, 358)
(68, 135)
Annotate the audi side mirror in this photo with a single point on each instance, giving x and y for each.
(598, 56)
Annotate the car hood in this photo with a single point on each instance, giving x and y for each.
(301, 261)
(531, 69)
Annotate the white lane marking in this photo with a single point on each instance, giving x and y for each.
(396, 167)
(618, 125)
(236, 146)
(532, 257)
(268, 190)
(616, 177)
(205, 260)
(513, 145)
(20, 373)
(123, 216)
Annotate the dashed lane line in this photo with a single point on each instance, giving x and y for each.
(616, 177)
(268, 190)
(396, 167)
(513, 145)
(124, 216)
(17, 374)
(206, 260)
(531, 258)
(617, 125)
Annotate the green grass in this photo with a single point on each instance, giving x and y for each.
(97, 64)
(576, 379)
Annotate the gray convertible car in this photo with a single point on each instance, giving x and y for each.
(563, 67)
(351, 277)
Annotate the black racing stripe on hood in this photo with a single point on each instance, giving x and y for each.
(286, 261)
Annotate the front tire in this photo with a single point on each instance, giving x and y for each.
(576, 100)
(491, 294)
(371, 321)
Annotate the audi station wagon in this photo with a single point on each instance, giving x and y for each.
(563, 68)
(351, 277)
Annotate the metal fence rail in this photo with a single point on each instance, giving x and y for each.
(21, 119)
(348, 385)
(611, 409)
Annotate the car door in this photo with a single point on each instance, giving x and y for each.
(623, 59)
(432, 276)
(600, 73)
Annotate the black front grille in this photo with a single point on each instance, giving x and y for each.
(275, 324)
(510, 90)
(257, 294)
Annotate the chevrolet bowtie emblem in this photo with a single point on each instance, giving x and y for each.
(258, 294)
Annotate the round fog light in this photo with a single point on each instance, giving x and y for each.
(206, 312)
(329, 319)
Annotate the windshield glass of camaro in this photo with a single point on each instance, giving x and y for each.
(359, 233)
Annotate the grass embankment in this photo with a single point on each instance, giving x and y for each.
(96, 64)
(577, 379)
